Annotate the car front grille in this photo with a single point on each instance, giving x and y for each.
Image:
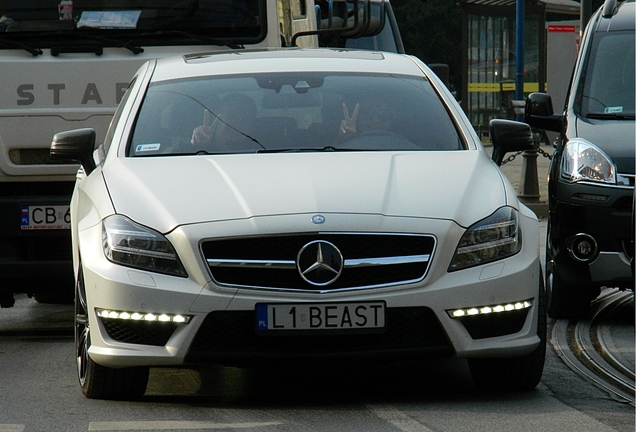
(369, 260)
(231, 337)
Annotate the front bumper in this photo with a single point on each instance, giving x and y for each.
(222, 322)
(604, 214)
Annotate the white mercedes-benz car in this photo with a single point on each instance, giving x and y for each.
(265, 207)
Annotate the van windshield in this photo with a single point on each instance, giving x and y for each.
(146, 22)
(607, 89)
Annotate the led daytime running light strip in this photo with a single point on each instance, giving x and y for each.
(148, 317)
(486, 310)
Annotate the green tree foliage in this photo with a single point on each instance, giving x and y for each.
(431, 30)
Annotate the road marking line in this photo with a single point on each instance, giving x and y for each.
(11, 428)
(398, 419)
(171, 425)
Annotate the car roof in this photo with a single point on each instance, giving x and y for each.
(284, 60)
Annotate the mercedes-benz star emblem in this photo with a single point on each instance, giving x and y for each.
(319, 263)
(318, 219)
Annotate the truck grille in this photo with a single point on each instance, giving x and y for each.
(276, 262)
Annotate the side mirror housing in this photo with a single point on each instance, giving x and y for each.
(509, 136)
(76, 145)
(540, 114)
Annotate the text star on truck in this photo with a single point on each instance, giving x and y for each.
(66, 65)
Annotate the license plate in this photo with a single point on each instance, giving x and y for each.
(320, 316)
(51, 217)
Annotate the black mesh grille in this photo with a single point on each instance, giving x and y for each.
(139, 332)
(286, 248)
(494, 324)
(232, 335)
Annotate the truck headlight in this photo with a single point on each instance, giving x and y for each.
(130, 244)
(491, 239)
(583, 161)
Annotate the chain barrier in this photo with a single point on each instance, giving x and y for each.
(544, 153)
(513, 156)
(510, 158)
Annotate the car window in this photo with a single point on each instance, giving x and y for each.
(292, 112)
(608, 85)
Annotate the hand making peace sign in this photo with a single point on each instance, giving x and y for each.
(348, 125)
(203, 134)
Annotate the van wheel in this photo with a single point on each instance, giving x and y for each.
(518, 373)
(565, 301)
(96, 381)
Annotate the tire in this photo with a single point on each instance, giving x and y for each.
(518, 373)
(565, 301)
(96, 381)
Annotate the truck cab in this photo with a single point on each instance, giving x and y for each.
(67, 64)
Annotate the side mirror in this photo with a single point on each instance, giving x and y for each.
(344, 21)
(540, 114)
(509, 136)
(76, 145)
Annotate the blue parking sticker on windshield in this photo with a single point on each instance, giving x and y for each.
(147, 147)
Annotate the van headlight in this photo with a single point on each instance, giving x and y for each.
(583, 161)
(491, 239)
(130, 244)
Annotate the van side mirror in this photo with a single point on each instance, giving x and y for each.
(509, 136)
(76, 145)
(540, 114)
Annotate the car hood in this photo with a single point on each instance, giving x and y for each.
(165, 192)
(615, 137)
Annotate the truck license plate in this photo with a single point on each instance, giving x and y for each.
(45, 217)
(320, 316)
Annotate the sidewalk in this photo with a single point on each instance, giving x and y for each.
(515, 172)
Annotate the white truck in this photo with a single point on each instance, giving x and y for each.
(66, 65)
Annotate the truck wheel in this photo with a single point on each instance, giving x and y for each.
(96, 381)
(518, 373)
(58, 290)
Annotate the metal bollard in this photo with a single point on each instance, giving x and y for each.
(529, 182)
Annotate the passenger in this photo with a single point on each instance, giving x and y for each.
(229, 130)
(368, 115)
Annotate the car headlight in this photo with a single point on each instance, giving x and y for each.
(583, 161)
(491, 239)
(130, 244)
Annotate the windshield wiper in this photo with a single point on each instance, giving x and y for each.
(310, 149)
(610, 116)
(9, 43)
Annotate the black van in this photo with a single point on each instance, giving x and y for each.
(590, 235)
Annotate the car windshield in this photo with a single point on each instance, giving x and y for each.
(292, 112)
(607, 89)
(143, 22)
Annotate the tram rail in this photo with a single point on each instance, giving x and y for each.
(584, 347)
